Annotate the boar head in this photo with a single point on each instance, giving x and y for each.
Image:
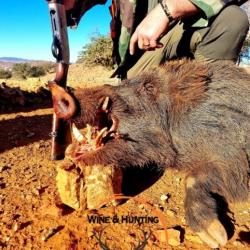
(120, 125)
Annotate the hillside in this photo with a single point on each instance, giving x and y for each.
(14, 59)
(8, 62)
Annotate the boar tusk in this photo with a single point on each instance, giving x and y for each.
(89, 134)
(100, 135)
(76, 133)
(105, 104)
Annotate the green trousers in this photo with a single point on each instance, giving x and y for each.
(221, 40)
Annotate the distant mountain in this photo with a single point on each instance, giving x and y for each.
(14, 59)
(8, 62)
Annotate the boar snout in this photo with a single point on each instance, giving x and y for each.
(63, 104)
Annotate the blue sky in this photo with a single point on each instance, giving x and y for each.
(25, 29)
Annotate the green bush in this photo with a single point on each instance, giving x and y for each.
(36, 71)
(49, 67)
(5, 74)
(21, 70)
(24, 70)
(97, 52)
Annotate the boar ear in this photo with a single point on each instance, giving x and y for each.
(104, 103)
(63, 103)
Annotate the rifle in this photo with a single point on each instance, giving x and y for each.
(61, 129)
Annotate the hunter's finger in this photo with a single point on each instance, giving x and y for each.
(141, 43)
(146, 42)
(153, 44)
(159, 45)
(133, 42)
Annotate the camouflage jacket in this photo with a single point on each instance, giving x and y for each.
(211, 8)
(127, 14)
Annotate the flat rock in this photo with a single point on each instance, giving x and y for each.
(161, 236)
(171, 236)
(70, 185)
(174, 237)
(102, 183)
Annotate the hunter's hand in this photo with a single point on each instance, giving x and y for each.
(149, 30)
(156, 23)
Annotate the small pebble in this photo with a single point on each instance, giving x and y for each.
(7, 238)
(15, 227)
(178, 179)
(238, 244)
(51, 232)
(164, 197)
(170, 213)
(141, 206)
(246, 211)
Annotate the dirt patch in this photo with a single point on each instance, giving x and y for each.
(247, 69)
(30, 218)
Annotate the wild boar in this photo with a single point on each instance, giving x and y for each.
(187, 115)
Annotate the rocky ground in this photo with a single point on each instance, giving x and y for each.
(32, 218)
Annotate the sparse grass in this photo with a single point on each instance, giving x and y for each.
(247, 70)
(79, 76)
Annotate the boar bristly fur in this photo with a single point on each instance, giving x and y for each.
(187, 115)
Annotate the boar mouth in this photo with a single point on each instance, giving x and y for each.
(104, 129)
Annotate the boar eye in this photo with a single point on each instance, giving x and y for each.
(149, 88)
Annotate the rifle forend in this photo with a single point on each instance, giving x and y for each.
(60, 134)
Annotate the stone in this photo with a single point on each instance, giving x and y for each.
(141, 206)
(165, 198)
(102, 183)
(70, 185)
(91, 187)
(15, 227)
(161, 236)
(170, 213)
(50, 232)
(7, 238)
(174, 237)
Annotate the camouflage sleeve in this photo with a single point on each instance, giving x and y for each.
(213, 7)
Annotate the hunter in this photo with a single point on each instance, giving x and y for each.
(149, 33)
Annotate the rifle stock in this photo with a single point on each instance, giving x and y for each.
(61, 129)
